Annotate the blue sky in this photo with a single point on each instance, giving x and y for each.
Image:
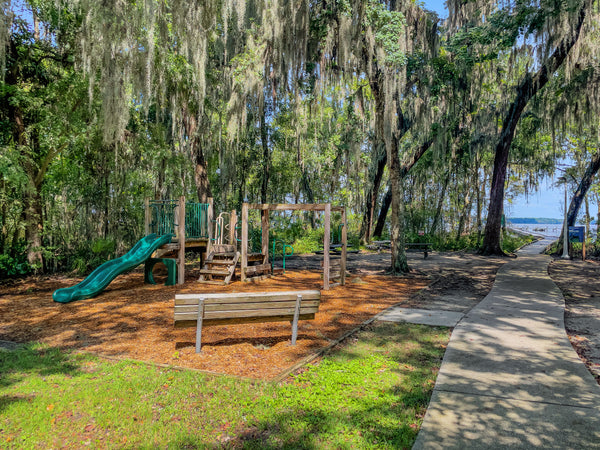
(438, 6)
(548, 201)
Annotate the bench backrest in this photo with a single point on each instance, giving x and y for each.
(245, 307)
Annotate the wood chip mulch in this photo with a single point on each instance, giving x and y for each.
(133, 320)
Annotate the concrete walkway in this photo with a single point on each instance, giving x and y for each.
(510, 378)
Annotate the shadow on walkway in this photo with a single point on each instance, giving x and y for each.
(510, 377)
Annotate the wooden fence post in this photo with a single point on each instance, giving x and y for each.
(244, 264)
(147, 216)
(344, 248)
(326, 245)
(181, 235)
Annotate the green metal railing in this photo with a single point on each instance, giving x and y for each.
(284, 253)
(163, 218)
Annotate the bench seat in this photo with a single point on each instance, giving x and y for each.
(244, 307)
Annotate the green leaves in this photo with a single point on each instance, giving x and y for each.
(389, 29)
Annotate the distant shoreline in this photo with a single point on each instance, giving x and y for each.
(533, 220)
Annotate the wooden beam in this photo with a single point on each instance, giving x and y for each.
(199, 324)
(232, 224)
(244, 263)
(181, 234)
(326, 246)
(264, 225)
(294, 207)
(344, 248)
(147, 216)
(209, 219)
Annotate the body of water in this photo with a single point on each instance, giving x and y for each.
(549, 230)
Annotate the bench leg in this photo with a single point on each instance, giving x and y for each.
(425, 254)
(295, 322)
(199, 324)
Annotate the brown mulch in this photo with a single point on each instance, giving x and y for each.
(133, 320)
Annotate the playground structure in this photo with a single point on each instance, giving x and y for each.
(173, 226)
(192, 227)
(326, 208)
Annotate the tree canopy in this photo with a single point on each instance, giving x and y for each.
(377, 105)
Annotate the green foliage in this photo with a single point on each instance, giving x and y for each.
(13, 266)
(389, 29)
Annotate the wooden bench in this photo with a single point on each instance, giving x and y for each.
(244, 307)
(424, 247)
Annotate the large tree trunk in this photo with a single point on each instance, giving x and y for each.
(33, 228)
(398, 173)
(378, 162)
(190, 123)
(383, 212)
(526, 90)
(376, 174)
(201, 173)
(580, 193)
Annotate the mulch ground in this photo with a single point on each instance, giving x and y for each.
(133, 320)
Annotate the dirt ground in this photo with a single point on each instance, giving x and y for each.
(133, 320)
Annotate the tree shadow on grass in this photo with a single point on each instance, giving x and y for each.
(31, 359)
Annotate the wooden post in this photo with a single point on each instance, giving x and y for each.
(264, 225)
(209, 219)
(232, 224)
(181, 234)
(147, 216)
(244, 263)
(326, 247)
(295, 321)
(199, 324)
(344, 248)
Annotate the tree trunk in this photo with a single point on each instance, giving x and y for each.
(378, 162)
(383, 212)
(526, 90)
(201, 172)
(264, 138)
(438, 211)
(464, 214)
(580, 193)
(373, 185)
(398, 173)
(190, 124)
(34, 227)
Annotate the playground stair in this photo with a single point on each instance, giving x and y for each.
(219, 266)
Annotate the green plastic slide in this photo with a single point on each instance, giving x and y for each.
(101, 277)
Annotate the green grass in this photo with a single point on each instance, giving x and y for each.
(372, 393)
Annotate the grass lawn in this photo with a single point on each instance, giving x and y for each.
(370, 393)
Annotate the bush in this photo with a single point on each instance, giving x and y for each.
(13, 267)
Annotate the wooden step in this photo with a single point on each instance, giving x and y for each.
(214, 272)
(219, 283)
(220, 262)
(223, 248)
(224, 255)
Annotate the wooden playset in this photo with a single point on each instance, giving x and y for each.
(192, 227)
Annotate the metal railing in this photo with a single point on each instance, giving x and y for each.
(164, 216)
